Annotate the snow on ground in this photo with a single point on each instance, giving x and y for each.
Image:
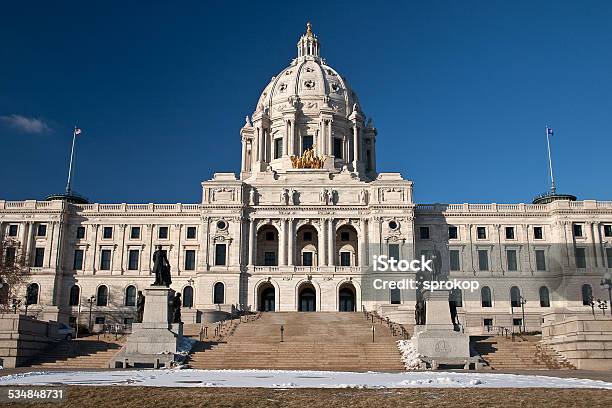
(296, 379)
(410, 357)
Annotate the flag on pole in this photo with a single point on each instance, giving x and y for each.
(549, 131)
(77, 131)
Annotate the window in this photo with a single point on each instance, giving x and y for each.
(587, 294)
(455, 264)
(278, 148)
(269, 236)
(188, 296)
(578, 230)
(345, 236)
(424, 232)
(107, 232)
(130, 296)
(538, 233)
(511, 260)
(509, 232)
(102, 296)
(135, 233)
(77, 263)
(80, 232)
(105, 259)
(190, 256)
(540, 260)
(487, 322)
(345, 258)
(191, 232)
(269, 258)
(32, 294)
(337, 148)
(392, 225)
(456, 296)
(162, 233)
(307, 236)
(580, 254)
(128, 320)
(607, 230)
(483, 260)
(11, 254)
(452, 233)
(41, 231)
(100, 320)
(485, 297)
(39, 257)
(219, 293)
(609, 256)
(481, 232)
(306, 258)
(517, 322)
(394, 251)
(396, 296)
(75, 296)
(220, 252)
(544, 297)
(306, 143)
(515, 297)
(12, 230)
(133, 258)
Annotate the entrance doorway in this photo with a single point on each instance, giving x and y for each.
(267, 298)
(307, 299)
(346, 298)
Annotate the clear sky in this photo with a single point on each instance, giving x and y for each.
(460, 92)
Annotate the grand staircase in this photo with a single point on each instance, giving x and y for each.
(338, 341)
(87, 352)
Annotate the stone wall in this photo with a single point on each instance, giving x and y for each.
(22, 337)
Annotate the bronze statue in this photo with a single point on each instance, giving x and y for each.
(419, 312)
(308, 160)
(176, 307)
(161, 268)
(140, 303)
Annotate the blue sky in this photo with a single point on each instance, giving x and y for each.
(460, 92)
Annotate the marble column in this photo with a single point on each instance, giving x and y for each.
(355, 147)
(282, 243)
(290, 240)
(321, 236)
(252, 241)
(330, 243)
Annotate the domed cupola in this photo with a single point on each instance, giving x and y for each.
(308, 105)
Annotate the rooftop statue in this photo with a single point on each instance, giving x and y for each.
(308, 160)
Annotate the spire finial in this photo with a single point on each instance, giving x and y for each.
(309, 29)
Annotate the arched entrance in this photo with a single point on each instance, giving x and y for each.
(267, 298)
(346, 298)
(307, 298)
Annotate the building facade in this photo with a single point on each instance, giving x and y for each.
(298, 228)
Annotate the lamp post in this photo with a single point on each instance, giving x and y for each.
(91, 301)
(27, 303)
(523, 301)
(603, 305)
(606, 283)
(16, 304)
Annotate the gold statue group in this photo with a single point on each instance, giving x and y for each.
(308, 160)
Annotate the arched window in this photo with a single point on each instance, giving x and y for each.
(130, 296)
(587, 294)
(485, 297)
(102, 297)
(32, 294)
(544, 297)
(219, 293)
(188, 296)
(75, 295)
(515, 297)
(457, 297)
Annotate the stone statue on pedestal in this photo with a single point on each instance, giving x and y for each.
(140, 304)
(176, 308)
(161, 268)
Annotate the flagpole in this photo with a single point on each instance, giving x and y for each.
(552, 178)
(68, 184)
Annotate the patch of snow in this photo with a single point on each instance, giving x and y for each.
(185, 346)
(410, 357)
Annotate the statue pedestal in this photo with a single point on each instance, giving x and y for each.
(436, 340)
(153, 342)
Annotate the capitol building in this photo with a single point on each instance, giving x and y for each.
(298, 228)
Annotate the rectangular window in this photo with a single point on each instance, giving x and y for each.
(394, 251)
(540, 260)
(607, 230)
(133, 257)
(77, 263)
(135, 233)
(41, 231)
(107, 232)
(269, 258)
(344, 236)
(191, 232)
(308, 236)
(511, 260)
(100, 320)
(11, 253)
(481, 232)
(452, 233)
(578, 230)
(12, 230)
(105, 259)
(609, 256)
(517, 322)
(278, 148)
(396, 296)
(220, 252)
(487, 322)
(306, 143)
(190, 257)
(538, 233)
(345, 258)
(455, 264)
(337, 148)
(306, 258)
(424, 232)
(580, 257)
(162, 233)
(509, 232)
(39, 257)
(80, 232)
(483, 260)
